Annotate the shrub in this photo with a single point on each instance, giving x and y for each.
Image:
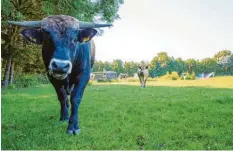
(107, 80)
(174, 75)
(193, 76)
(189, 76)
(89, 83)
(174, 78)
(170, 76)
(29, 80)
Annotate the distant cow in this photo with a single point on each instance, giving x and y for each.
(68, 54)
(143, 74)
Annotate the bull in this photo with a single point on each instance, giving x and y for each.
(68, 52)
(143, 74)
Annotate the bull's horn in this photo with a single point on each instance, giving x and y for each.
(26, 23)
(92, 25)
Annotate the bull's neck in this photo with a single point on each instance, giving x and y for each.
(82, 58)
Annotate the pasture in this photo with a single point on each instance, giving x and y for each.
(165, 115)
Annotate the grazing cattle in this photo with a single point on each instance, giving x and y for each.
(68, 53)
(143, 74)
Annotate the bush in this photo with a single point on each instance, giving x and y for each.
(89, 83)
(103, 81)
(174, 78)
(29, 80)
(193, 76)
(170, 76)
(189, 76)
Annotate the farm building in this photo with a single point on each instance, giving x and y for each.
(106, 75)
(206, 75)
(110, 75)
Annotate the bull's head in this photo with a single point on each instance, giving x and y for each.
(142, 68)
(60, 36)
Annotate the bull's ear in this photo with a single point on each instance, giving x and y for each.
(86, 34)
(33, 35)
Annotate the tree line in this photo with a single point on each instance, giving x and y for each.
(162, 63)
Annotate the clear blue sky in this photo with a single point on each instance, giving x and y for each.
(183, 28)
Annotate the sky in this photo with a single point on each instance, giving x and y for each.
(182, 28)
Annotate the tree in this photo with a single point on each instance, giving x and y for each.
(107, 66)
(208, 65)
(190, 65)
(14, 10)
(224, 62)
(130, 68)
(117, 66)
(180, 66)
(98, 66)
(161, 64)
(221, 54)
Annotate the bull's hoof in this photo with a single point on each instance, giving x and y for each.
(75, 132)
(70, 132)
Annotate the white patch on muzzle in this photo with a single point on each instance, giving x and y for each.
(59, 76)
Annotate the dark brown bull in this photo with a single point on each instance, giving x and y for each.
(68, 54)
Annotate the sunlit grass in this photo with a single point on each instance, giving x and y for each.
(185, 115)
(217, 82)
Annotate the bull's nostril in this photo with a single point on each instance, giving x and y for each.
(67, 66)
(54, 65)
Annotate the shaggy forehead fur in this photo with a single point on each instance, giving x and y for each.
(141, 66)
(60, 23)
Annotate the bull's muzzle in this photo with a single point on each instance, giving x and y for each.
(59, 69)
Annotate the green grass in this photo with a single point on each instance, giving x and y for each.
(121, 117)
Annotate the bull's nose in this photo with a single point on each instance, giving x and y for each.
(60, 67)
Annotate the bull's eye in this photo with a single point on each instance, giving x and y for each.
(46, 36)
(62, 34)
(74, 40)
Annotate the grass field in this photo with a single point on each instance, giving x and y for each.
(165, 115)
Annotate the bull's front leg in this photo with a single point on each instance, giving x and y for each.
(141, 82)
(144, 82)
(63, 99)
(76, 97)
